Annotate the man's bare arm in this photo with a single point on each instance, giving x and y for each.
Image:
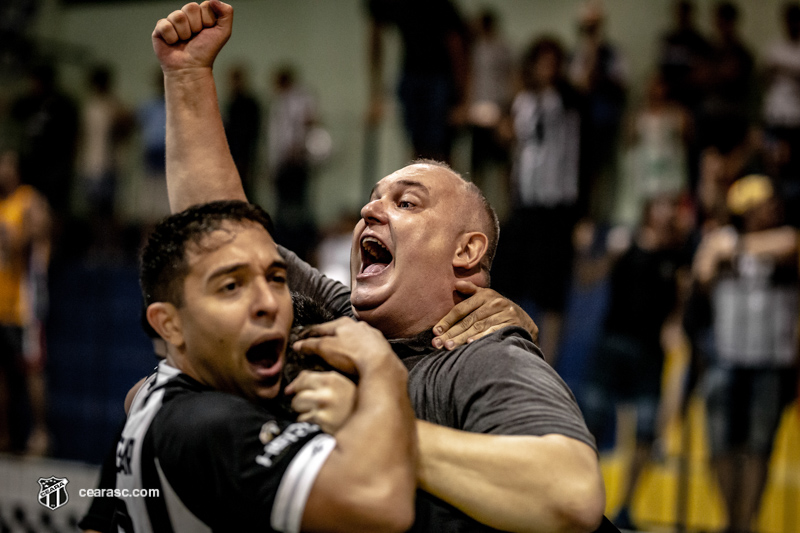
(515, 483)
(199, 163)
(369, 480)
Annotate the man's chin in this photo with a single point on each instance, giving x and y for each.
(267, 390)
(365, 300)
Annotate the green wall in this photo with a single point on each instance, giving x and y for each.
(326, 39)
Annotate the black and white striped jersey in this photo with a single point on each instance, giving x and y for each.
(220, 462)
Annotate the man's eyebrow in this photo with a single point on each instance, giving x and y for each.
(405, 183)
(279, 264)
(412, 183)
(229, 269)
(225, 270)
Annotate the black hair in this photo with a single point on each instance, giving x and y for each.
(791, 12)
(727, 11)
(100, 78)
(488, 20)
(163, 266)
(307, 312)
(539, 47)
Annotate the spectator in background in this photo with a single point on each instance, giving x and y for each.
(628, 365)
(726, 111)
(657, 143)
(151, 117)
(682, 56)
(47, 121)
(16, 46)
(291, 115)
(433, 73)
(781, 109)
(749, 269)
(105, 124)
(242, 126)
(24, 258)
(490, 92)
(720, 166)
(598, 70)
(546, 124)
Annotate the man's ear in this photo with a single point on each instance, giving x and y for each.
(164, 318)
(471, 248)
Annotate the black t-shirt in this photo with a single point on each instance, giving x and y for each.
(220, 462)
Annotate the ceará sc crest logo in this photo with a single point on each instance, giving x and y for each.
(53, 492)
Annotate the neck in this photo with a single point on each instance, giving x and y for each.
(397, 325)
(176, 357)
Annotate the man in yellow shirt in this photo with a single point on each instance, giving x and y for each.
(24, 255)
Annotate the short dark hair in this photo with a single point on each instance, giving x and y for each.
(307, 312)
(489, 222)
(727, 11)
(163, 266)
(536, 49)
(791, 12)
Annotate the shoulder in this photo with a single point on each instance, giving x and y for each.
(506, 350)
(504, 386)
(190, 417)
(26, 195)
(192, 427)
(508, 340)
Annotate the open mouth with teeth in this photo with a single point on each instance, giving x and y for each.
(375, 257)
(265, 356)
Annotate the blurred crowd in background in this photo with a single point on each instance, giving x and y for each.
(684, 203)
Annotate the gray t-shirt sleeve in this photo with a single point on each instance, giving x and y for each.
(307, 280)
(504, 387)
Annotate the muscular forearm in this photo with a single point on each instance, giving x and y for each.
(515, 483)
(199, 163)
(373, 467)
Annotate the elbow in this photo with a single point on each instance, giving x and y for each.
(383, 509)
(393, 507)
(395, 518)
(582, 511)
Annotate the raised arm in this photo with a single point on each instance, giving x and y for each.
(369, 480)
(199, 163)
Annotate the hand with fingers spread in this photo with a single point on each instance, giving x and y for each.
(484, 312)
(192, 36)
(323, 398)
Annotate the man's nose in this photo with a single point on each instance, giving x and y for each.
(265, 304)
(374, 212)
